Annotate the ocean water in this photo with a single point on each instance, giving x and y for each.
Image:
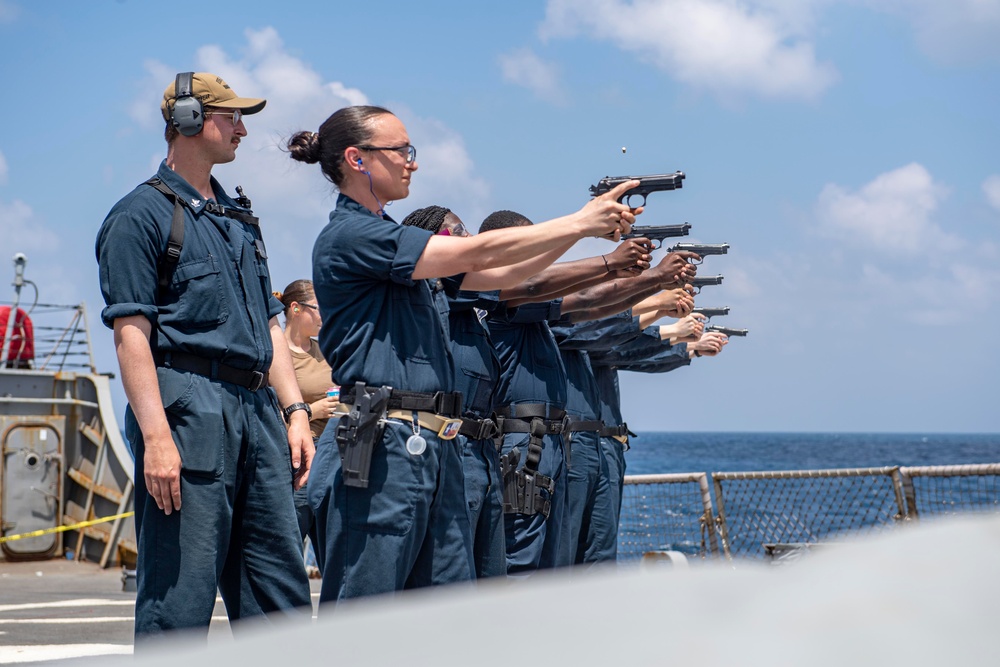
(653, 521)
(653, 453)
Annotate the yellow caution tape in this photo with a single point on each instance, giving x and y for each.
(61, 529)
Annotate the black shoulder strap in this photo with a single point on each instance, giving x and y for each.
(176, 239)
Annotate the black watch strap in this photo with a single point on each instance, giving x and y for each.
(297, 406)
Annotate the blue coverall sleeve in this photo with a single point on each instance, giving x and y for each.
(379, 250)
(662, 362)
(128, 250)
(597, 335)
(648, 342)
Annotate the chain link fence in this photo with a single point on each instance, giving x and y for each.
(757, 514)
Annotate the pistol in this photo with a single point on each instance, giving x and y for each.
(656, 233)
(701, 249)
(709, 313)
(701, 281)
(728, 331)
(647, 185)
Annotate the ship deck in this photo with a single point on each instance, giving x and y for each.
(59, 609)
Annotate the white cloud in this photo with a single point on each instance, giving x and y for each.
(953, 32)
(21, 231)
(891, 214)
(3, 169)
(524, 68)
(9, 12)
(446, 169)
(293, 199)
(726, 47)
(991, 188)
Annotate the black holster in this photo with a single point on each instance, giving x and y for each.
(522, 489)
(359, 432)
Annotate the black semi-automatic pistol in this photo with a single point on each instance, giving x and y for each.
(701, 281)
(647, 185)
(728, 331)
(701, 249)
(709, 313)
(656, 233)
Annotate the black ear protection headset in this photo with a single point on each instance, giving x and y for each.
(188, 115)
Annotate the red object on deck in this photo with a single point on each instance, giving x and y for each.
(22, 340)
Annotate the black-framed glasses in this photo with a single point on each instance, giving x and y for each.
(309, 305)
(408, 152)
(236, 114)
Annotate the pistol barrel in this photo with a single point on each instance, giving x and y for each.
(658, 232)
(702, 249)
(728, 331)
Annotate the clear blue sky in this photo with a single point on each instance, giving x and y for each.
(849, 152)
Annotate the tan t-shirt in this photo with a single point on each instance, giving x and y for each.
(314, 377)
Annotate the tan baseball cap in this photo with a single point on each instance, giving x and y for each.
(212, 91)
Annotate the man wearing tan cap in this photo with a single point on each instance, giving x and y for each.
(183, 271)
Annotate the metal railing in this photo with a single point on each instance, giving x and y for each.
(753, 511)
(61, 337)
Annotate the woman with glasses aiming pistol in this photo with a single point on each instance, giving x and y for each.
(387, 481)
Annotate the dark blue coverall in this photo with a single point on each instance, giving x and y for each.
(532, 372)
(410, 527)
(590, 526)
(478, 371)
(648, 354)
(236, 529)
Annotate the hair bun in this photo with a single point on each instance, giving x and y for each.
(304, 147)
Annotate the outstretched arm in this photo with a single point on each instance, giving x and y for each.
(568, 277)
(675, 303)
(613, 297)
(449, 255)
(711, 344)
(505, 277)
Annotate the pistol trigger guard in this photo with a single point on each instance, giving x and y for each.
(628, 200)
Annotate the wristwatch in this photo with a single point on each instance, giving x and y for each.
(297, 406)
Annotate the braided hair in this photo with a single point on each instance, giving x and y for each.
(430, 218)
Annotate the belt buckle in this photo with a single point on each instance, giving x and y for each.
(450, 429)
(256, 380)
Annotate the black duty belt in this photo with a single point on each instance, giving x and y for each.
(478, 429)
(616, 431)
(578, 425)
(518, 418)
(446, 404)
(212, 369)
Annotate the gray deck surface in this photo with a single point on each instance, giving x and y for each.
(57, 609)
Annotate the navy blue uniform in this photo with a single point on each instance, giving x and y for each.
(590, 527)
(612, 447)
(646, 353)
(532, 373)
(236, 529)
(478, 372)
(410, 526)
